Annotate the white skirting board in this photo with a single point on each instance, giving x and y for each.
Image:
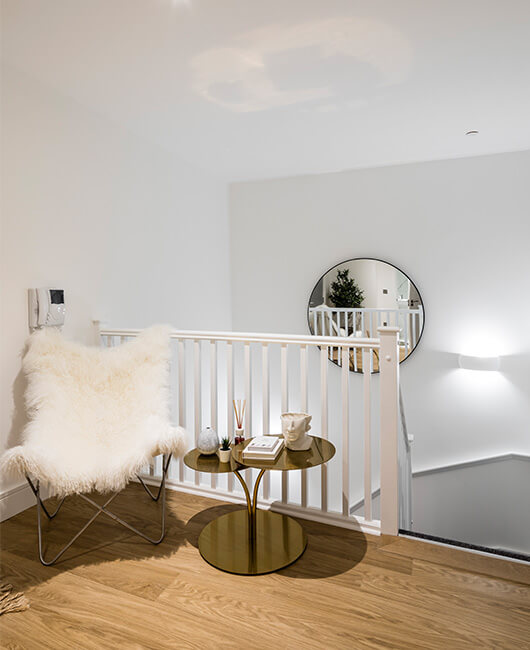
(313, 514)
(15, 500)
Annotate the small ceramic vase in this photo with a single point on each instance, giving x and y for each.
(208, 441)
(224, 455)
(294, 429)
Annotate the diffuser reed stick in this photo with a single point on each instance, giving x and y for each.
(239, 410)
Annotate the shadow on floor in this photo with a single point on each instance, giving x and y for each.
(330, 550)
(104, 540)
(199, 521)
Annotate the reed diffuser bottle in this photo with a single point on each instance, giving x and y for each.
(239, 411)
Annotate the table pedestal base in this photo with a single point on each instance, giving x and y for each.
(228, 543)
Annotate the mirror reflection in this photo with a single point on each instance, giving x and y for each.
(356, 297)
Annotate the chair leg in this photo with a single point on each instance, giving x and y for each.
(165, 465)
(118, 520)
(76, 536)
(100, 510)
(36, 492)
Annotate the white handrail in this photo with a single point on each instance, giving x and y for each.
(402, 310)
(253, 337)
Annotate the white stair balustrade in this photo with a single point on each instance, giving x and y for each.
(276, 373)
(364, 321)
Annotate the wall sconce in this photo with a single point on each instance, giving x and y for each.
(478, 363)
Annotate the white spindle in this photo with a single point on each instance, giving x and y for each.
(285, 408)
(266, 407)
(182, 395)
(323, 424)
(197, 376)
(367, 436)
(406, 332)
(213, 398)
(371, 336)
(337, 351)
(303, 408)
(413, 342)
(345, 382)
(248, 398)
(230, 402)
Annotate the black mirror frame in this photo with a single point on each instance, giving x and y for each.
(373, 259)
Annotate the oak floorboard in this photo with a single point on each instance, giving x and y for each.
(457, 558)
(348, 590)
(467, 582)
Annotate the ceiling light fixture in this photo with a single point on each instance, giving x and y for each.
(472, 133)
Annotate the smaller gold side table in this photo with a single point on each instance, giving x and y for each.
(255, 541)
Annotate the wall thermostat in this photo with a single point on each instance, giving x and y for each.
(46, 308)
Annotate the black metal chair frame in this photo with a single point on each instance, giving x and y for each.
(35, 487)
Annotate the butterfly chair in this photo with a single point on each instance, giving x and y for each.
(96, 417)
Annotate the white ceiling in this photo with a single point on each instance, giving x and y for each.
(266, 88)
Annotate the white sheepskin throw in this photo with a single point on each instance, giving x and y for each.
(97, 415)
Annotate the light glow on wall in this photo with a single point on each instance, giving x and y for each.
(482, 339)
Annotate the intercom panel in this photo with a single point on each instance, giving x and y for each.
(46, 308)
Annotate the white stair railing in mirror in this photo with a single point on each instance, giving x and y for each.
(365, 321)
(276, 373)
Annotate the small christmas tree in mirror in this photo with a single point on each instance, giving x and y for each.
(344, 291)
(345, 294)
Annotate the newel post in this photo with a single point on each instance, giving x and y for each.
(389, 413)
(98, 326)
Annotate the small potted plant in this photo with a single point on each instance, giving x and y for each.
(224, 450)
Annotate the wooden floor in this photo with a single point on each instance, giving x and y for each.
(347, 591)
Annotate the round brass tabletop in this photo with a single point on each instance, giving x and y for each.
(321, 451)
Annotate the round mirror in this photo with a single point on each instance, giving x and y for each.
(356, 297)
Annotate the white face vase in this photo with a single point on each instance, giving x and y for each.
(294, 429)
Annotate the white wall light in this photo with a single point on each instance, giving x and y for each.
(478, 363)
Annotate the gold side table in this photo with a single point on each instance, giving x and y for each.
(254, 541)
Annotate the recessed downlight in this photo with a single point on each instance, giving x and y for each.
(472, 133)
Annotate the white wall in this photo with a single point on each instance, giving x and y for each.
(485, 504)
(460, 230)
(132, 234)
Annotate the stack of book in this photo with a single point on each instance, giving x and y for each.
(263, 448)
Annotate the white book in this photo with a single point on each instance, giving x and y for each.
(263, 443)
(262, 454)
(262, 451)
